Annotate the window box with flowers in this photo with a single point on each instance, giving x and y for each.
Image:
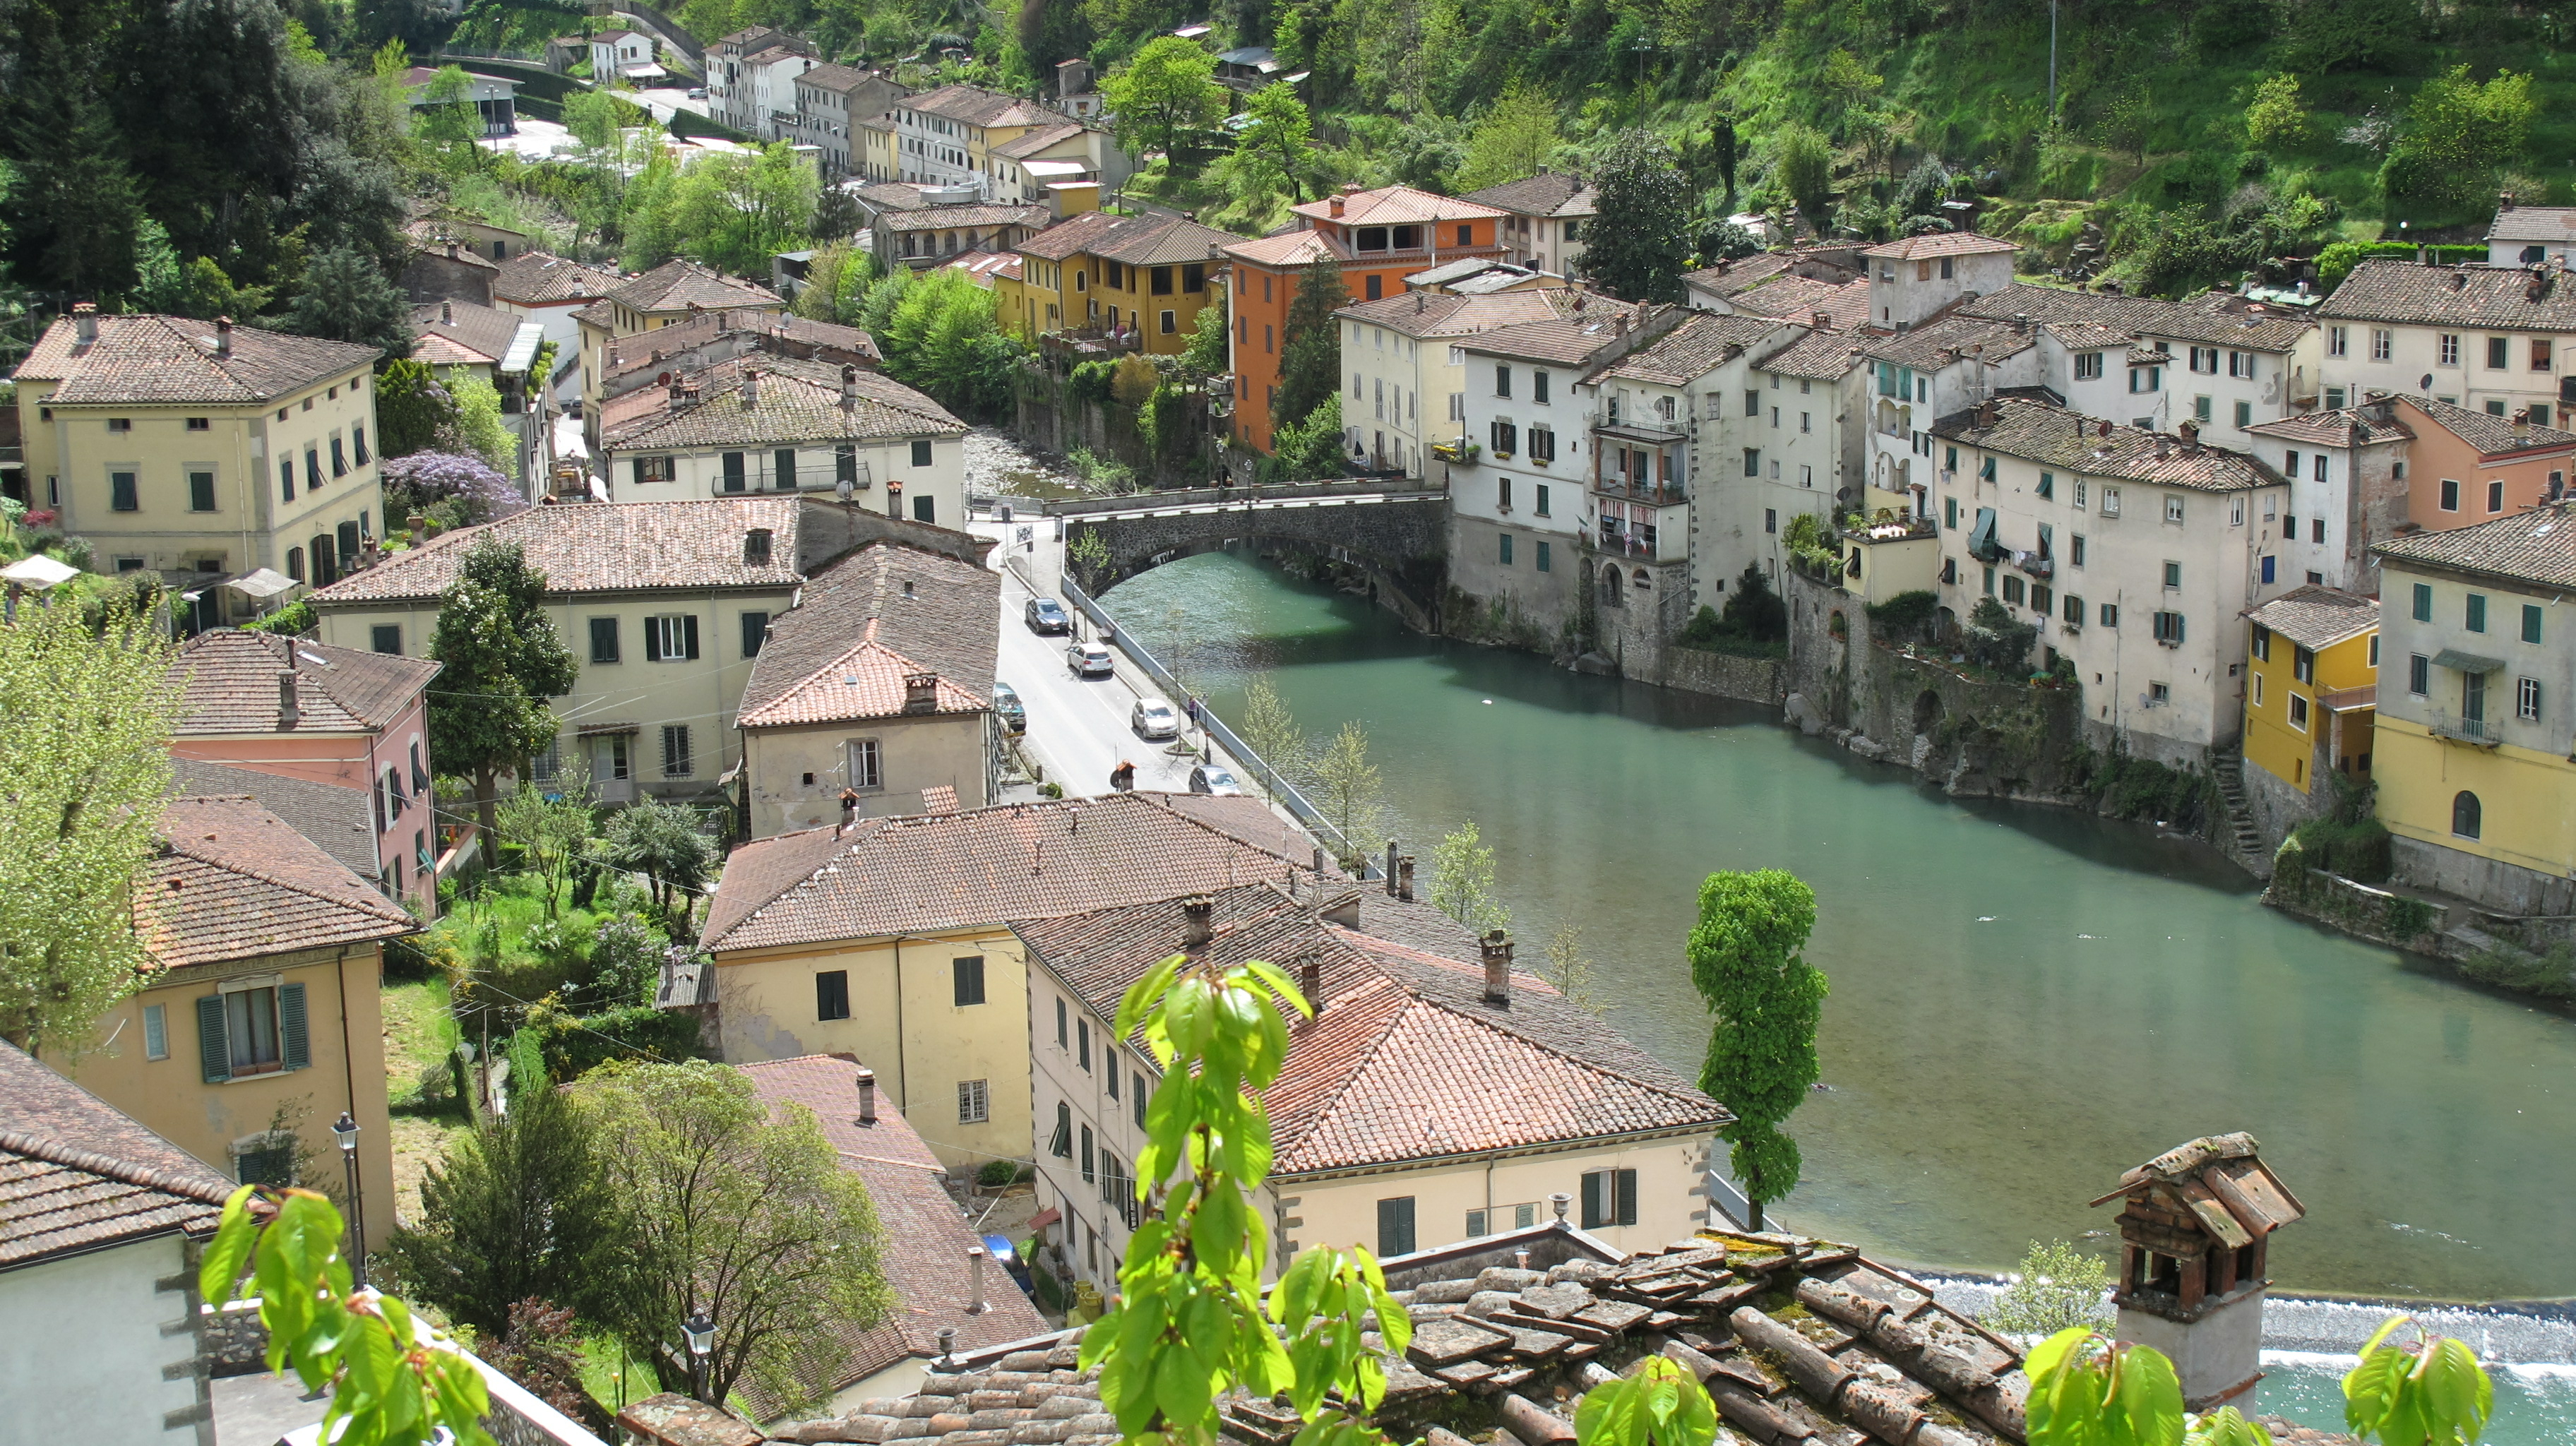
(1461, 452)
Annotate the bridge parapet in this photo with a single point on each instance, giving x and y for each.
(1239, 496)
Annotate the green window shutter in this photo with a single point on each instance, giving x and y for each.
(295, 1041)
(689, 637)
(1595, 1214)
(1626, 1190)
(214, 1046)
(1395, 1226)
(652, 640)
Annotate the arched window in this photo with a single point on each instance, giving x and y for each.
(1643, 579)
(2465, 814)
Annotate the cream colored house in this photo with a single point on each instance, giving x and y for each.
(2492, 339)
(667, 295)
(761, 423)
(891, 939)
(259, 1024)
(1408, 374)
(1385, 1114)
(874, 695)
(663, 604)
(202, 449)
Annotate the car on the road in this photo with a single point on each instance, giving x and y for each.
(1153, 718)
(1088, 660)
(697, 92)
(1046, 615)
(1210, 779)
(1008, 708)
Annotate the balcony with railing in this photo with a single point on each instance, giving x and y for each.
(821, 477)
(2474, 730)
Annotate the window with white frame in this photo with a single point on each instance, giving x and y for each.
(867, 764)
(974, 1101)
(2526, 699)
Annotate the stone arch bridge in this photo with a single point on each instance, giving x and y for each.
(1398, 536)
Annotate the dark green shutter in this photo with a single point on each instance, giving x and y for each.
(295, 1041)
(639, 471)
(214, 1046)
(1395, 1226)
(1594, 1216)
(689, 637)
(652, 640)
(1625, 1183)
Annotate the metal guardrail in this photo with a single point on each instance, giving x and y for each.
(1225, 737)
(1240, 496)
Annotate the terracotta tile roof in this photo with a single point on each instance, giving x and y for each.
(909, 612)
(2492, 435)
(989, 866)
(227, 679)
(2318, 617)
(1160, 241)
(339, 817)
(2225, 320)
(796, 401)
(235, 882)
(975, 106)
(77, 1174)
(433, 238)
(2347, 427)
(1395, 206)
(1797, 298)
(2535, 547)
(1549, 193)
(1289, 248)
(1937, 244)
(1941, 342)
(650, 350)
(2505, 298)
(1702, 342)
(2534, 223)
(1816, 356)
(936, 218)
(1426, 314)
(679, 285)
(599, 547)
(534, 278)
(1577, 338)
(1037, 141)
(985, 266)
(1069, 237)
(2088, 335)
(451, 333)
(838, 78)
(2039, 432)
(925, 1236)
(2128, 314)
(891, 195)
(1741, 273)
(152, 359)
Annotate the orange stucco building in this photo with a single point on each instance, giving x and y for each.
(2468, 467)
(1380, 237)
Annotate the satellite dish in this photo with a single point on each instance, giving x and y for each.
(663, 380)
(2426, 384)
(843, 490)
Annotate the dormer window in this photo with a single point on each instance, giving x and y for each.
(755, 547)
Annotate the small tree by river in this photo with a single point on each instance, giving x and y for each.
(1762, 1054)
(1349, 790)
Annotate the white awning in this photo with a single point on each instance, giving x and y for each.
(261, 583)
(642, 70)
(39, 572)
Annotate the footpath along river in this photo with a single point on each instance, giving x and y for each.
(2025, 1001)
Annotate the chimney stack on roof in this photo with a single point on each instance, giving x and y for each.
(1404, 878)
(1822, 320)
(975, 1280)
(223, 337)
(288, 714)
(920, 692)
(1198, 921)
(1497, 949)
(2189, 431)
(85, 322)
(2164, 446)
(750, 387)
(1310, 981)
(1390, 868)
(446, 312)
(1986, 413)
(867, 1095)
(849, 387)
(2522, 426)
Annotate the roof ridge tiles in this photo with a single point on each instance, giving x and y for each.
(53, 1151)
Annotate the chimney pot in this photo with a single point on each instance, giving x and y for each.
(750, 387)
(867, 1095)
(1823, 320)
(1198, 921)
(1497, 949)
(1404, 878)
(288, 714)
(975, 1279)
(447, 313)
(85, 322)
(1310, 982)
(920, 692)
(2188, 431)
(1390, 868)
(223, 336)
(1560, 1202)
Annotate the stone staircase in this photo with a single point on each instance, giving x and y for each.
(2237, 834)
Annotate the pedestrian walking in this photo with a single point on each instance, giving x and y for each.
(1123, 777)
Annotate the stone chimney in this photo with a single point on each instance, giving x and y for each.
(1821, 320)
(849, 387)
(1497, 949)
(2189, 431)
(2195, 1231)
(678, 396)
(85, 322)
(446, 313)
(1987, 413)
(2164, 446)
(2504, 202)
(288, 714)
(867, 1095)
(921, 692)
(1310, 981)
(1390, 868)
(223, 337)
(2522, 427)
(750, 388)
(1198, 921)
(975, 1280)
(1404, 878)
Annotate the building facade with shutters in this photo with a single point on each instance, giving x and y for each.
(257, 1024)
(1381, 1114)
(2493, 339)
(2475, 728)
(2135, 555)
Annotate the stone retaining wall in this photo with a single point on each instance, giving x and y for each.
(1724, 675)
(2356, 909)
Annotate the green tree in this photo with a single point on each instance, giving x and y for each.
(1277, 144)
(1270, 728)
(1310, 351)
(1512, 140)
(1851, 83)
(737, 210)
(551, 827)
(501, 662)
(1569, 970)
(661, 841)
(939, 332)
(1310, 450)
(2278, 117)
(1462, 880)
(1165, 96)
(2057, 1288)
(1639, 244)
(1349, 790)
(1802, 160)
(345, 296)
(837, 217)
(412, 409)
(85, 727)
(519, 1207)
(1767, 1000)
(739, 1210)
(449, 121)
(2457, 133)
(478, 425)
(75, 206)
(1206, 355)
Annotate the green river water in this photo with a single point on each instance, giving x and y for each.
(2025, 1001)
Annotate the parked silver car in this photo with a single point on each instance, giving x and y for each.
(1210, 779)
(1153, 718)
(1088, 660)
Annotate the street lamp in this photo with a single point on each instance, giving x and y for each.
(701, 1333)
(345, 1130)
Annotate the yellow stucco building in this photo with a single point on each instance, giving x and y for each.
(2312, 666)
(1142, 278)
(2477, 719)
